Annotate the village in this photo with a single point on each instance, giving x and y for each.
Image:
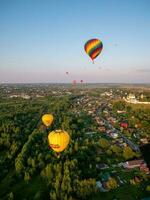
(111, 172)
(107, 124)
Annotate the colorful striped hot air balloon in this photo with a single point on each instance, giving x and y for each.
(93, 48)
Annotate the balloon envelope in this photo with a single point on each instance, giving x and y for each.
(74, 82)
(93, 48)
(58, 140)
(47, 119)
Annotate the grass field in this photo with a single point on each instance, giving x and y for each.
(127, 192)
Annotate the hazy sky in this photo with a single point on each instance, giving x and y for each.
(42, 39)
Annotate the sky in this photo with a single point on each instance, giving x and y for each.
(40, 40)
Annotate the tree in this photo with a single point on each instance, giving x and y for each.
(103, 143)
(53, 195)
(129, 109)
(85, 188)
(48, 173)
(148, 188)
(19, 163)
(76, 146)
(116, 150)
(127, 133)
(111, 183)
(38, 195)
(128, 153)
(66, 184)
(26, 177)
(109, 152)
(11, 196)
(119, 105)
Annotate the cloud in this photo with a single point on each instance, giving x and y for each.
(143, 70)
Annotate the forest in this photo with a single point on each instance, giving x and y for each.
(29, 167)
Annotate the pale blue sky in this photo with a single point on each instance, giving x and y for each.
(42, 39)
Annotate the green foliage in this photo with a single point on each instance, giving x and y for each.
(111, 183)
(11, 196)
(26, 177)
(53, 195)
(115, 149)
(128, 153)
(85, 188)
(119, 105)
(47, 173)
(103, 143)
(38, 196)
(23, 145)
(148, 188)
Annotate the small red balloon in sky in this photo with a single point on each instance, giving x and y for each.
(74, 82)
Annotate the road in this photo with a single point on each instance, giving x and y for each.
(125, 139)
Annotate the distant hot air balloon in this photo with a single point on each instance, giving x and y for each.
(47, 119)
(58, 140)
(74, 82)
(93, 48)
(67, 73)
(81, 81)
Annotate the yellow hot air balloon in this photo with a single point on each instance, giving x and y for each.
(47, 119)
(58, 140)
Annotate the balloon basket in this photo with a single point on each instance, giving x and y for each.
(58, 155)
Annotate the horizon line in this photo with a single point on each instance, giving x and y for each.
(78, 83)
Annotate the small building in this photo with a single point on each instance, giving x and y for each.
(102, 166)
(144, 168)
(114, 135)
(124, 125)
(133, 164)
(100, 186)
(25, 96)
(121, 111)
(144, 140)
(102, 128)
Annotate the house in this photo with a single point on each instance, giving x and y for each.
(138, 125)
(124, 125)
(14, 95)
(121, 111)
(106, 177)
(144, 140)
(133, 164)
(144, 168)
(102, 166)
(131, 98)
(25, 96)
(39, 96)
(102, 128)
(100, 186)
(90, 134)
(114, 135)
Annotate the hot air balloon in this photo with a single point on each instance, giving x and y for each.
(93, 48)
(58, 140)
(47, 119)
(67, 73)
(81, 81)
(74, 82)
